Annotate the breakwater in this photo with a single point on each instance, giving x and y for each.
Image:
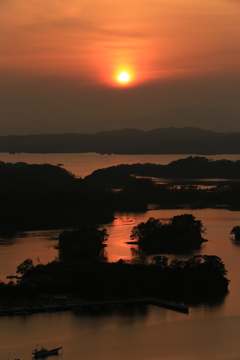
(63, 304)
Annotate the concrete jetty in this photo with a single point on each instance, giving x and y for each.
(145, 301)
(77, 304)
(169, 305)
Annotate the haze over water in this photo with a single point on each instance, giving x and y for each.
(145, 333)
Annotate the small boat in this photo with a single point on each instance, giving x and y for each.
(43, 352)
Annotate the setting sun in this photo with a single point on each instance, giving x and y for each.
(123, 77)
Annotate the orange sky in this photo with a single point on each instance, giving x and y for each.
(87, 43)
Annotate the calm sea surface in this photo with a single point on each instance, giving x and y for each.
(136, 333)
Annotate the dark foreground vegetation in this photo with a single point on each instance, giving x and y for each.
(48, 197)
(83, 270)
(198, 278)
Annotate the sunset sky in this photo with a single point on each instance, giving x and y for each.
(60, 61)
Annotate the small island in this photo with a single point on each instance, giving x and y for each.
(84, 243)
(236, 232)
(182, 231)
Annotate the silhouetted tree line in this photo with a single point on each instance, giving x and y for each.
(130, 179)
(86, 242)
(82, 269)
(199, 277)
(192, 167)
(180, 232)
(47, 196)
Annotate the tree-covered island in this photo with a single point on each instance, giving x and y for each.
(236, 232)
(197, 279)
(85, 243)
(180, 232)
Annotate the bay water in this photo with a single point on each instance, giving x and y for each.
(139, 332)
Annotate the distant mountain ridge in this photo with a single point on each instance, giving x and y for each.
(169, 140)
(221, 119)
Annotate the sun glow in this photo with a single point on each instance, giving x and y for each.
(124, 77)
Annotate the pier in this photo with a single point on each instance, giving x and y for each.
(169, 305)
(78, 304)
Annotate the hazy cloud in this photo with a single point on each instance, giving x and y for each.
(74, 23)
(59, 59)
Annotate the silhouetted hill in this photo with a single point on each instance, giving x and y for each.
(170, 140)
(45, 197)
(221, 119)
(189, 168)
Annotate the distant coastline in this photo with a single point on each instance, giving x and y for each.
(170, 140)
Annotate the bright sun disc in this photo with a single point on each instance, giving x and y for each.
(123, 77)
